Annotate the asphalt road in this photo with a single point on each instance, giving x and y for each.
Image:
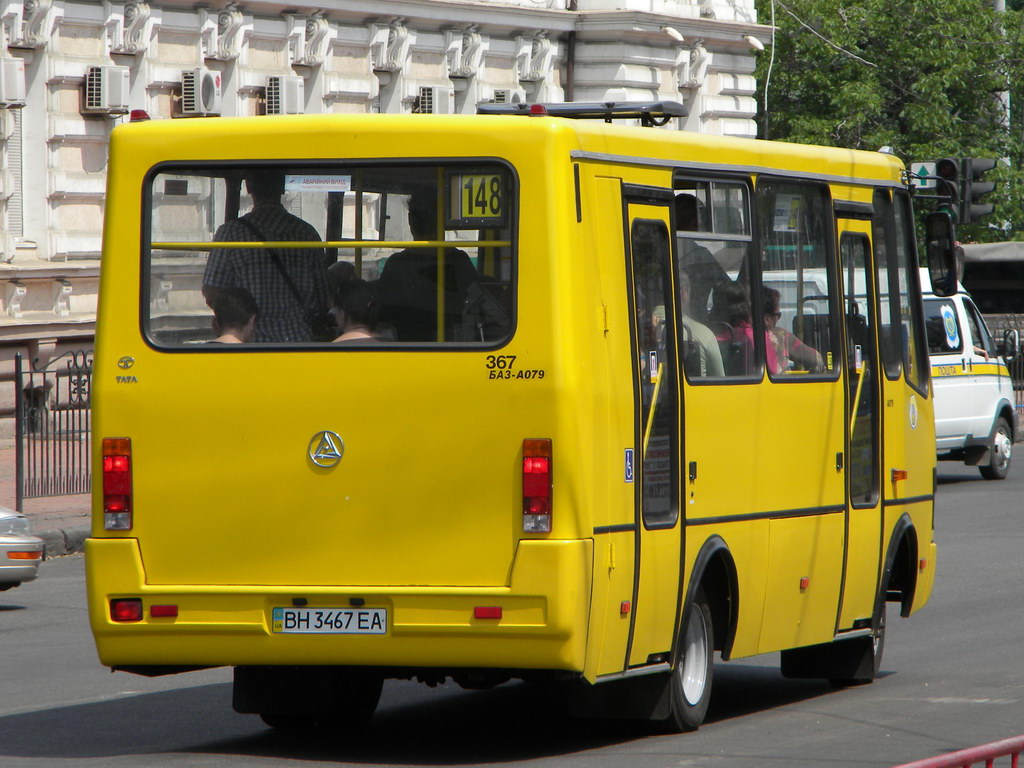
(952, 677)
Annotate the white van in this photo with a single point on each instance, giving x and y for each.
(975, 419)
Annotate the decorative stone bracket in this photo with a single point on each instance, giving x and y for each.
(223, 36)
(464, 52)
(535, 57)
(389, 46)
(310, 39)
(32, 25)
(692, 66)
(129, 32)
(16, 291)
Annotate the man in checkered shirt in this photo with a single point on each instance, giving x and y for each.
(282, 318)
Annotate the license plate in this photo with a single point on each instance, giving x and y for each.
(331, 621)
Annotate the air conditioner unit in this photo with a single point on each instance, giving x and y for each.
(434, 100)
(12, 83)
(106, 90)
(200, 92)
(502, 96)
(285, 95)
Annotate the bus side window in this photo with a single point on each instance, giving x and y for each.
(798, 302)
(713, 268)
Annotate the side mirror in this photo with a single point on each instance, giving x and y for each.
(1011, 344)
(940, 248)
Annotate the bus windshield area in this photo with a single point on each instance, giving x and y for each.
(359, 255)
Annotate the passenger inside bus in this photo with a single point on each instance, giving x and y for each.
(790, 352)
(355, 308)
(289, 284)
(731, 321)
(701, 353)
(407, 288)
(234, 315)
(704, 270)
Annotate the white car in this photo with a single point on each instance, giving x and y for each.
(20, 551)
(975, 418)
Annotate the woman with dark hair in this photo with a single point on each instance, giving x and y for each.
(734, 330)
(788, 348)
(355, 306)
(234, 315)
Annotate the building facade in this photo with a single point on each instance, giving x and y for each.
(70, 70)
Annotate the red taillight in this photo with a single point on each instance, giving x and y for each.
(126, 609)
(117, 483)
(537, 486)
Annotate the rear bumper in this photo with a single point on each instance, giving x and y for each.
(15, 570)
(543, 623)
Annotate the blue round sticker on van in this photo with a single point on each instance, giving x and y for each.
(950, 326)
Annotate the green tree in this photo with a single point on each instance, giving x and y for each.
(925, 77)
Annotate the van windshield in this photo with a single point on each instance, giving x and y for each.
(355, 256)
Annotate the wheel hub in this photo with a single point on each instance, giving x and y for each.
(693, 672)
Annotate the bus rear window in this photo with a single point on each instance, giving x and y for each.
(351, 256)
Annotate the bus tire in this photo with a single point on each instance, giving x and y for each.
(690, 682)
(1000, 451)
(288, 722)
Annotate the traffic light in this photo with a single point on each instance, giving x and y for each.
(971, 209)
(948, 171)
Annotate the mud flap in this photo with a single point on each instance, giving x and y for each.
(313, 691)
(852, 659)
(645, 697)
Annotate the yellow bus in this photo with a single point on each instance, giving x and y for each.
(599, 401)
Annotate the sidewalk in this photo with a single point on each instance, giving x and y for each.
(61, 521)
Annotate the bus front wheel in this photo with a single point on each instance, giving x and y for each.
(690, 683)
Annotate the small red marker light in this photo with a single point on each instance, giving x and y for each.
(922, 564)
(163, 611)
(804, 583)
(537, 110)
(138, 115)
(899, 474)
(625, 607)
(487, 612)
(126, 609)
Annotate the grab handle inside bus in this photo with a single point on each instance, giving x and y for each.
(654, 405)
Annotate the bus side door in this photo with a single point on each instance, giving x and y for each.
(863, 452)
(656, 590)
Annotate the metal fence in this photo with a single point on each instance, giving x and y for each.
(1017, 374)
(997, 324)
(52, 426)
(986, 754)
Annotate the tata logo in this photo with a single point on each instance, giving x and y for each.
(326, 449)
(125, 363)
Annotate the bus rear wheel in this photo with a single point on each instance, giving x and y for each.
(690, 683)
